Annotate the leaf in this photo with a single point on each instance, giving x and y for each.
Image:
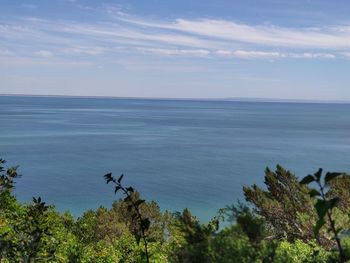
(108, 177)
(330, 176)
(318, 174)
(307, 179)
(321, 208)
(120, 178)
(318, 226)
(314, 193)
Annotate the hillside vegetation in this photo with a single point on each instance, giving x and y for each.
(290, 219)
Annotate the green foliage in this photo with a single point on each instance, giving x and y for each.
(279, 228)
(253, 225)
(286, 205)
(325, 206)
(99, 253)
(139, 223)
(85, 227)
(110, 224)
(125, 249)
(8, 176)
(346, 245)
(34, 231)
(197, 238)
(339, 187)
(300, 252)
(232, 245)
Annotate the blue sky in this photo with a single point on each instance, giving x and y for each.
(176, 49)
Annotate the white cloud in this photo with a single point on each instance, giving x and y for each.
(177, 52)
(267, 35)
(312, 55)
(336, 37)
(85, 50)
(44, 53)
(180, 37)
(249, 54)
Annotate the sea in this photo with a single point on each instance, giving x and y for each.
(195, 154)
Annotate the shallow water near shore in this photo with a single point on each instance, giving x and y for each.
(180, 153)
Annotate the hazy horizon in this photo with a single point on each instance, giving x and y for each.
(233, 99)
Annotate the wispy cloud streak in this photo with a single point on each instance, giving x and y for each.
(265, 35)
(202, 38)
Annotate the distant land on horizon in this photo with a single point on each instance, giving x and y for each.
(238, 99)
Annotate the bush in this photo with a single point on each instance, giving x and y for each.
(300, 252)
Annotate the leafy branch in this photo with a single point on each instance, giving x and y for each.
(134, 206)
(7, 177)
(324, 206)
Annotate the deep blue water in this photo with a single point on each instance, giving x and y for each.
(195, 154)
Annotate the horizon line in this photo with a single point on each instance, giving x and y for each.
(233, 99)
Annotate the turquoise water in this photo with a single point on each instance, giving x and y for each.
(195, 154)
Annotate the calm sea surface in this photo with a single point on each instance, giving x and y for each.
(195, 154)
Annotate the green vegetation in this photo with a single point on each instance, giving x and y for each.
(286, 221)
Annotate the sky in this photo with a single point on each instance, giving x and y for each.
(272, 49)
